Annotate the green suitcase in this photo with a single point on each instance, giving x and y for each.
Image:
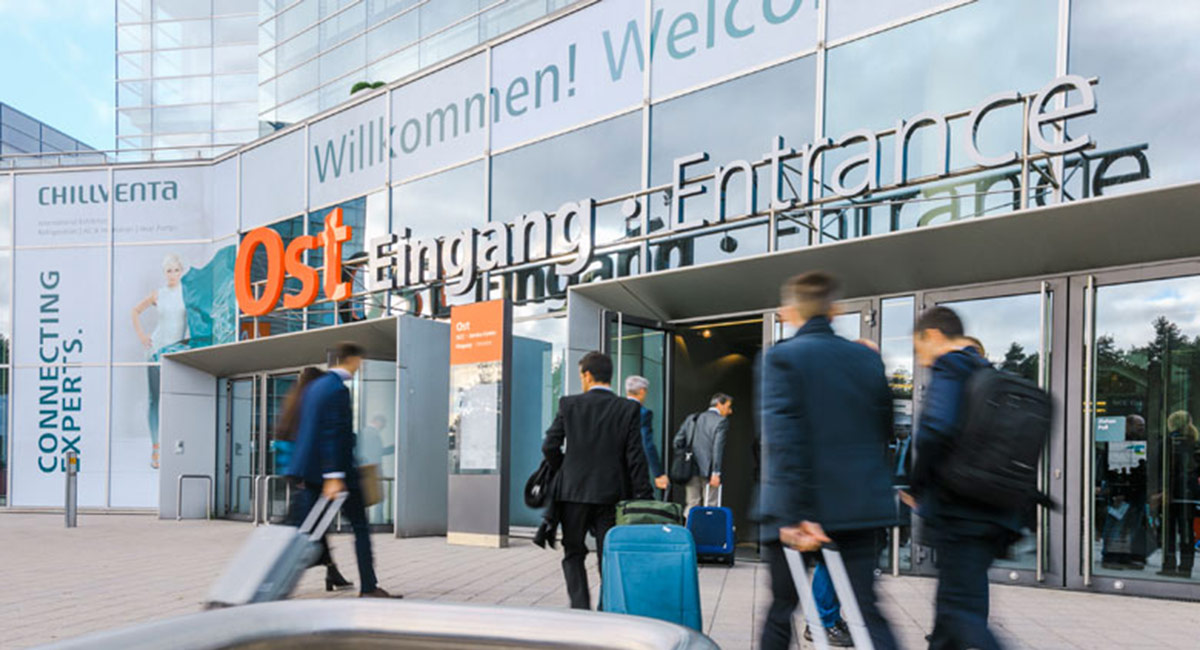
(649, 512)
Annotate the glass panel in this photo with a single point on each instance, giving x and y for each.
(277, 454)
(945, 63)
(736, 120)
(342, 60)
(5, 301)
(234, 117)
(896, 346)
(240, 29)
(175, 9)
(133, 122)
(380, 10)
(644, 353)
(391, 36)
(133, 37)
(848, 326)
(175, 63)
(396, 66)
(1010, 330)
(234, 58)
(1141, 143)
(183, 119)
(297, 82)
(234, 88)
(377, 430)
(133, 11)
(221, 7)
(511, 15)
(188, 33)
(343, 26)
(850, 17)
(188, 90)
(297, 110)
(1147, 468)
(436, 15)
(297, 50)
(446, 44)
(5, 215)
(300, 16)
(133, 66)
(241, 458)
(539, 359)
(4, 432)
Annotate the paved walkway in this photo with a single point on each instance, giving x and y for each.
(119, 570)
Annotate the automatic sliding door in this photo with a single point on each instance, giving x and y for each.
(642, 348)
(1141, 436)
(1014, 325)
(240, 455)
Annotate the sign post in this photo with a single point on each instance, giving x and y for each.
(72, 498)
(480, 394)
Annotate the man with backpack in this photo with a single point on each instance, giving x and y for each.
(977, 446)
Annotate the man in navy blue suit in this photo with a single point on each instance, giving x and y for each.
(827, 421)
(636, 389)
(323, 458)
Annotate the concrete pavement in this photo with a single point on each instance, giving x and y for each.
(116, 570)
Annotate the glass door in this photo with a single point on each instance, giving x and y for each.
(643, 348)
(1142, 460)
(274, 490)
(1014, 325)
(239, 448)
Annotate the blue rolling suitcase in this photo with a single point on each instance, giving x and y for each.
(712, 528)
(650, 570)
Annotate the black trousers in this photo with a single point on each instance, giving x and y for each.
(1178, 523)
(965, 551)
(354, 510)
(579, 519)
(857, 548)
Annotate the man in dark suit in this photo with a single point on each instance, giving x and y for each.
(323, 458)
(708, 433)
(827, 416)
(636, 389)
(603, 463)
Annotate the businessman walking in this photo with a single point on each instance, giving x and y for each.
(323, 459)
(603, 463)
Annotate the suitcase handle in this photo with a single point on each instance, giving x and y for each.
(845, 592)
(720, 494)
(321, 516)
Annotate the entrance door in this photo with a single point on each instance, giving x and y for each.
(643, 348)
(1016, 325)
(237, 450)
(1141, 459)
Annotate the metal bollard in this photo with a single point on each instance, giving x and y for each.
(72, 498)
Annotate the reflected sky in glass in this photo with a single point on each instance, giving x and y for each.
(998, 323)
(1147, 60)
(896, 330)
(599, 162)
(444, 204)
(1127, 312)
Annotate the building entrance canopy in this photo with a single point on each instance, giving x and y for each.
(1129, 229)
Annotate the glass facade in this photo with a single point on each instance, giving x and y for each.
(22, 134)
(186, 77)
(675, 146)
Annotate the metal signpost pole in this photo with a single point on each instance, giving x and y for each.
(72, 498)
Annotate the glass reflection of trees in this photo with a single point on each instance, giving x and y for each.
(1147, 471)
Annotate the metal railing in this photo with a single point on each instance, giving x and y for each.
(267, 501)
(208, 494)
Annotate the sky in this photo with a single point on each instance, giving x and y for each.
(57, 61)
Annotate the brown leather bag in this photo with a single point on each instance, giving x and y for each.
(372, 487)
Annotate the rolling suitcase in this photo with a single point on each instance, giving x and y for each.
(841, 584)
(650, 511)
(270, 563)
(650, 570)
(712, 528)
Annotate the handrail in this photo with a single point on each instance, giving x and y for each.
(237, 491)
(208, 494)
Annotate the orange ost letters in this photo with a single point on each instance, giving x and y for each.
(281, 263)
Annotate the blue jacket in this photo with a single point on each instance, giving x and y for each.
(826, 420)
(940, 424)
(652, 457)
(325, 438)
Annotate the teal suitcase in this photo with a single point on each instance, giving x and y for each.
(650, 570)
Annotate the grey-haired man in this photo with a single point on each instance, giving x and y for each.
(636, 389)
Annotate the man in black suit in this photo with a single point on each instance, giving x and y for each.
(604, 463)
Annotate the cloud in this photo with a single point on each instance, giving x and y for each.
(93, 12)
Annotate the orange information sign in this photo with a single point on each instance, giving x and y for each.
(477, 333)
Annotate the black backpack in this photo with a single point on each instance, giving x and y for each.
(683, 461)
(1006, 423)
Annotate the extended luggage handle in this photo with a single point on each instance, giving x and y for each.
(845, 591)
(720, 494)
(321, 516)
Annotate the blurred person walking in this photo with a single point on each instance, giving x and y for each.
(636, 388)
(704, 435)
(967, 534)
(603, 463)
(323, 458)
(827, 421)
(283, 447)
